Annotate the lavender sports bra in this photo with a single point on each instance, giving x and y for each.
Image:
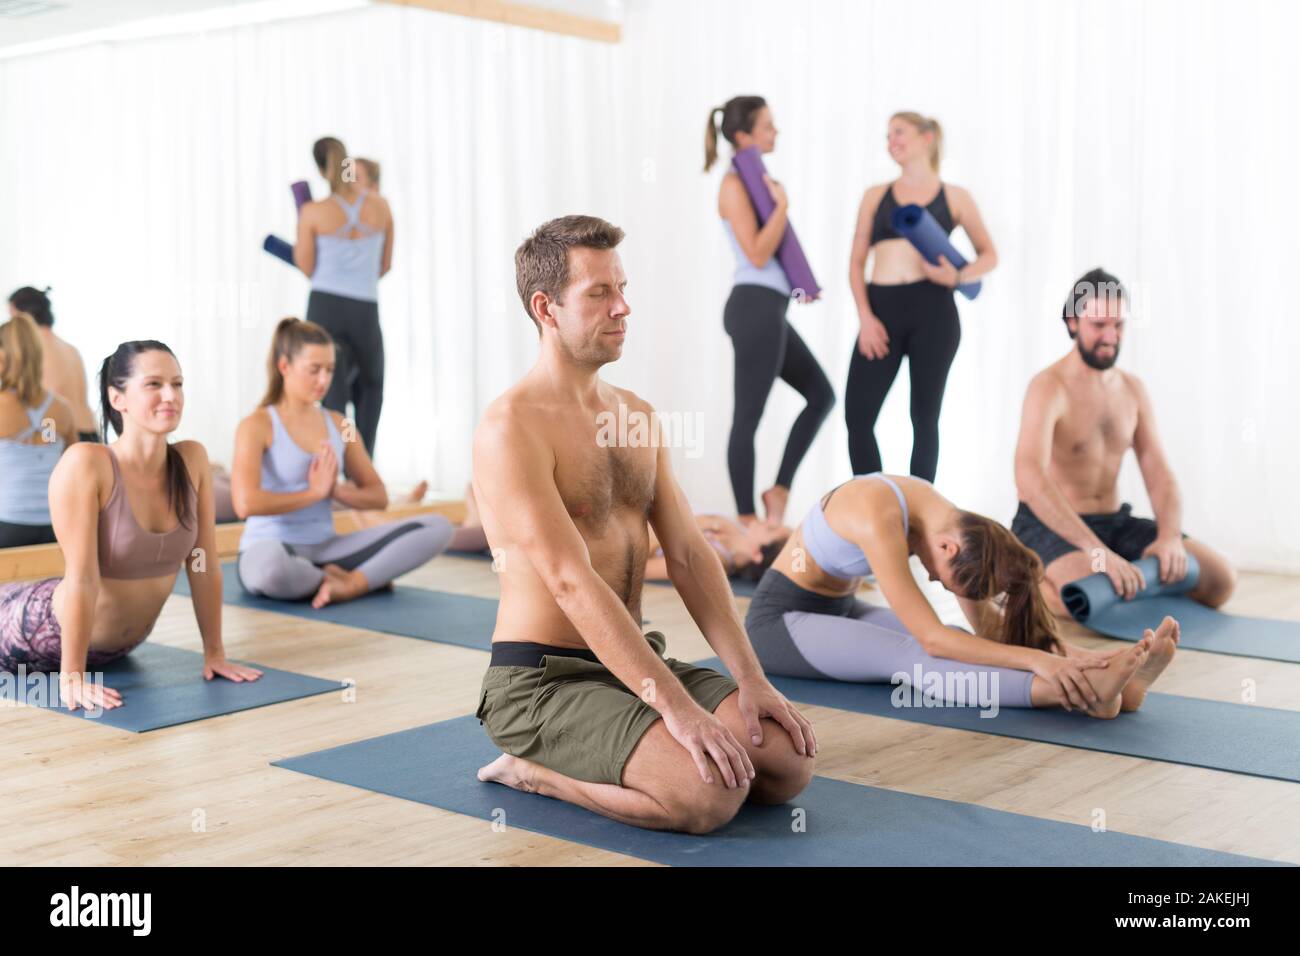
(128, 551)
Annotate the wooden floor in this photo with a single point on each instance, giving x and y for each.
(76, 793)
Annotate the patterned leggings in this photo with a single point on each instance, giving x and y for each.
(29, 631)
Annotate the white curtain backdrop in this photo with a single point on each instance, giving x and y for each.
(1153, 138)
(143, 175)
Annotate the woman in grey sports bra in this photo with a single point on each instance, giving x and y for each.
(805, 621)
(128, 516)
(289, 455)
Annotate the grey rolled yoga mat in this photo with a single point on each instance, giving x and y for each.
(163, 686)
(1092, 602)
(832, 823)
(410, 612)
(1238, 738)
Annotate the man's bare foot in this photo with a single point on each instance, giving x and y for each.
(774, 502)
(1164, 642)
(1109, 682)
(514, 772)
(340, 585)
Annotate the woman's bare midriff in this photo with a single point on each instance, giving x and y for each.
(811, 577)
(896, 262)
(125, 611)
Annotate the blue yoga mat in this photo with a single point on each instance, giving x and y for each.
(915, 224)
(1238, 738)
(1093, 603)
(163, 686)
(410, 612)
(279, 248)
(846, 824)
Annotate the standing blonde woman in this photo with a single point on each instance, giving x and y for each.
(907, 309)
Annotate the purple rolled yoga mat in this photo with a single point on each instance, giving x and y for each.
(749, 166)
(301, 193)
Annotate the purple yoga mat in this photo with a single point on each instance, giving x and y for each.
(301, 193)
(749, 165)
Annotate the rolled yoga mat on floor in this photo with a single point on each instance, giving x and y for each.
(1237, 738)
(748, 164)
(1092, 602)
(163, 686)
(409, 612)
(915, 224)
(279, 248)
(301, 193)
(841, 824)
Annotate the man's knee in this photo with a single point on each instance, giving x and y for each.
(706, 807)
(1218, 580)
(780, 772)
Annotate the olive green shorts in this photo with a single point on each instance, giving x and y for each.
(575, 717)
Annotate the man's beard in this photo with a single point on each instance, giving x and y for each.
(1092, 360)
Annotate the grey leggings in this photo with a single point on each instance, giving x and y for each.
(797, 633)
(291, 572)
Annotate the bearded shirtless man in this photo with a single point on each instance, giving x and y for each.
(575, 692)
(1081, 414)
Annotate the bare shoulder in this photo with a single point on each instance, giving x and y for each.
(633, 401)
(85, 458)
(1046, 386)
(1133, 385)
(256, 421)
(336, 417)
(510, 419)
(873, 194)
(195, 457)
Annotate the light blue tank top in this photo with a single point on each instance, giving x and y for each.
(349, 267)
(25, 472)
(834, 555)
(771, 275)
(284, 469)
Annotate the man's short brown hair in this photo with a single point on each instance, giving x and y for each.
(542, 260)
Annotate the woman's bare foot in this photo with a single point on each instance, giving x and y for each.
(748, 521)
(340, 585)
(1164, 642)
(774, 502)
(1109, 682)
(416, 495)
(514, 772)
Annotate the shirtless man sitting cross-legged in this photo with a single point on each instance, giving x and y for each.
(1081, 415)
(575, 692)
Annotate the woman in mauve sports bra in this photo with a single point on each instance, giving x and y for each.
(127, 517)
(804, 620)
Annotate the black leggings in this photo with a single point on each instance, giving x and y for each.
(767, 346)
(358, 359)
(921, 319)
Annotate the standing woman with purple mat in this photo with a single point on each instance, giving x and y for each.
(345, 244)
(766, 345)
(908, 308)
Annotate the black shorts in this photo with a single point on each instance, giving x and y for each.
(1118, 530)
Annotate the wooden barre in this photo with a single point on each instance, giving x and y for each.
(46, 560)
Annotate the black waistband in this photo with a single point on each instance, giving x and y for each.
(530, 654)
